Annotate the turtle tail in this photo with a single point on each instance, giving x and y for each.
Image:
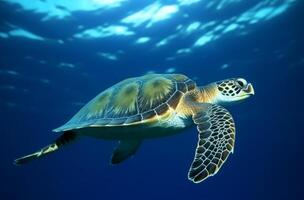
(64, 139)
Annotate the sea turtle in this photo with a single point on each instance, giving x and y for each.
(157, 105)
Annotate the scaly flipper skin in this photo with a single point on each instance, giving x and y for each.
(216, 141)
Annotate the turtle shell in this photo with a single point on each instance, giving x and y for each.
(132, 101)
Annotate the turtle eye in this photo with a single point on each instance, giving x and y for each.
(241, 82)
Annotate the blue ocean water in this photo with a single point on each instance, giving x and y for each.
(57, 54)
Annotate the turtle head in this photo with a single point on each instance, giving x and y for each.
(233, 90)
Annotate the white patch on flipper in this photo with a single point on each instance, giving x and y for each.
(51, 148)
(174, 120)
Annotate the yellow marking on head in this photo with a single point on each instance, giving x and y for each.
(184, 107)
(208, 94)
(125, 99)
(180, 77)
(156, 89)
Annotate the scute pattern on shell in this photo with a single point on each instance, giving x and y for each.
(132, 100)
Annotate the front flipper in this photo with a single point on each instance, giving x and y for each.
(124, 150)
(216, 141)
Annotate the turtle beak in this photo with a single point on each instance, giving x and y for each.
(248, 89)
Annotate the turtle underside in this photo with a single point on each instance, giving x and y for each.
(132, 101)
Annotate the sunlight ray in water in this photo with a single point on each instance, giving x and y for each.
(101, 32)
(142, 40)
(192, 27)
(19, 32)
(151, 14)
(142, 16)
(4, 35)
(60, 9)
(66, 65)
(108, 56)
(148, 16)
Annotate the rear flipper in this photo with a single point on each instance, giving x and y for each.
(124, 150)
(64, 139)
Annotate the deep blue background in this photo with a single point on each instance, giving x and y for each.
(268, 158)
